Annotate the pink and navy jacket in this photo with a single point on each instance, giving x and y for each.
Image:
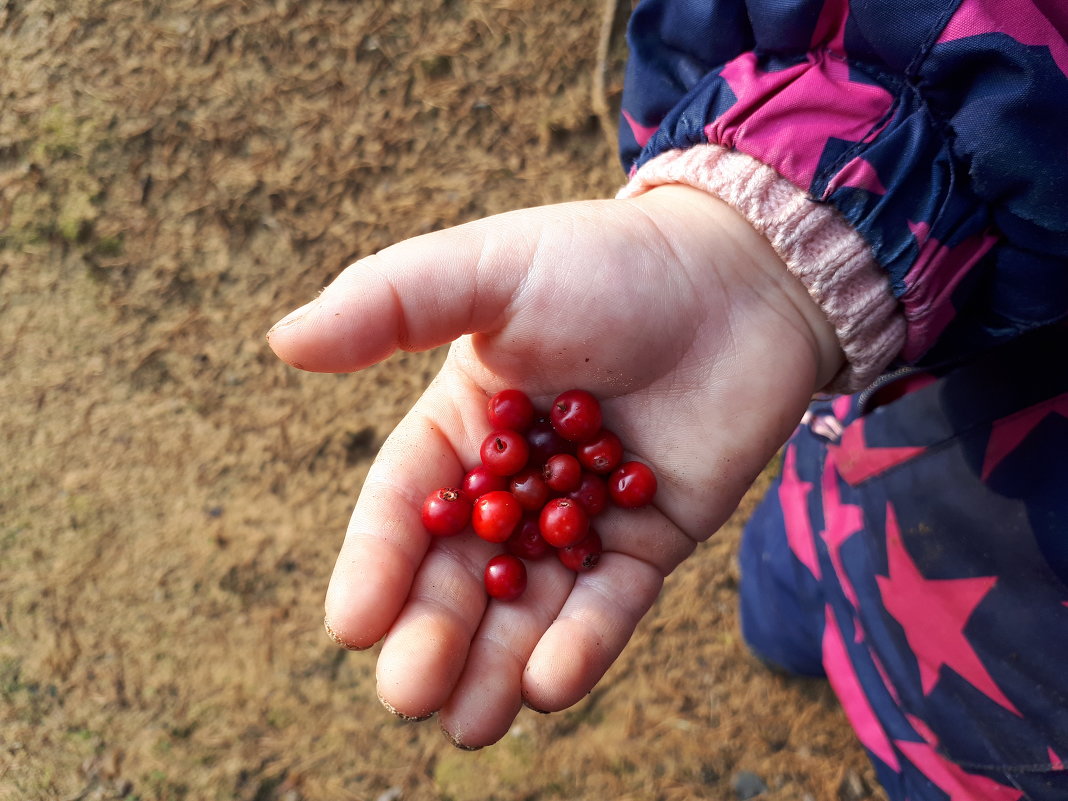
(908, 160)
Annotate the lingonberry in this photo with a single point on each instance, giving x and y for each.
(495, 515)
(576, 415)
(505, 577)
(510, 409)
(529, 488)
(504, 452)
(633, 484)
(583, 555)
(563, 522)
(591, 493)
(545, 443)
(446, 512)
(562, 472)
(526, 541)
(479, 480)
(602, 454)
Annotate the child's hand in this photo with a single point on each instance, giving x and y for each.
(669, 308)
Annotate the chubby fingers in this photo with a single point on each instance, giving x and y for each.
(386, 544)
(551, 647)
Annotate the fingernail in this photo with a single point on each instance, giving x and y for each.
(292, 317)
(396, 712)
(456, 742)
(533, 708)
(333, 635)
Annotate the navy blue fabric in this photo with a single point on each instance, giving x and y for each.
(966, 172)
(958, 493)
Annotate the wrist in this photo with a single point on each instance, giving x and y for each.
(778, 314)
(816, 245)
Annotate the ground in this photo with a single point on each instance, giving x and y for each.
(176, 176)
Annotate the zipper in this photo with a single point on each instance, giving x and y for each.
(879, 383)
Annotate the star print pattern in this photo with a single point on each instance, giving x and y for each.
(856, 461)
(844, 99)
(793, 495)
(1007, 433)
(951, 779)
(933, 614)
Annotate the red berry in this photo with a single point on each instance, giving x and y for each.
(479, 480)
(563, 522)
(510, 409)
(576, 415)
(562, 472)
(495, 515)
(633, 484)
(583, 555)
(592, 493)
(544, 442)
(602, 454)
(504, 452)
(446, 512)
(526, 541)
(505, 577)
(530, 489)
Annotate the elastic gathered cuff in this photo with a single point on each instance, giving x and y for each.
(832, 261)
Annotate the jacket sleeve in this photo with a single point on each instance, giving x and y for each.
(909, 161)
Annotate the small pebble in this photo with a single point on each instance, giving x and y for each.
(747, 785)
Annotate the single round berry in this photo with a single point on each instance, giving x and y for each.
(479, 480)
(505, 577)
(495, 515)
(510, 409)
(563, 522)
(446, 512)
(545, 443)
(562, 473)
(583, 555)
(633, 484)
(592, 494)
(530, 489)
(504, 452)
(576, 415)
(602, 454)
(526, 541)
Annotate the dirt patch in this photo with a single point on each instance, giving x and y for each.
(173, 178)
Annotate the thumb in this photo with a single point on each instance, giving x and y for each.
(414, 295)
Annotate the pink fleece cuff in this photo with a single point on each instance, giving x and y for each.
(817, 245)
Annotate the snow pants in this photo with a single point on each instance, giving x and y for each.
(914, 550)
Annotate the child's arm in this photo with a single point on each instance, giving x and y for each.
(669, 307)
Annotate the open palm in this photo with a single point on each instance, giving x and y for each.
(672, 311)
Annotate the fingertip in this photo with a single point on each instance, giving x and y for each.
(342, 640)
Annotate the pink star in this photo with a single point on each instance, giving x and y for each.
(933, 613)
(938, 269)
(857, 462)
(793, 497)
(1030, 23)
(842, 520)
(1008, 432)
(953, 780)
(642, 133)
(1055, 761)
(785, 117)
(859, 174)
(851, 695)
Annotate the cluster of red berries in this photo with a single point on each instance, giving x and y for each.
(542, 478)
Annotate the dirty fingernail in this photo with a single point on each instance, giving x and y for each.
(452, 738)
(409, 718)
(333, 635)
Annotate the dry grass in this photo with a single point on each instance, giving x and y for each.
(174, 177)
